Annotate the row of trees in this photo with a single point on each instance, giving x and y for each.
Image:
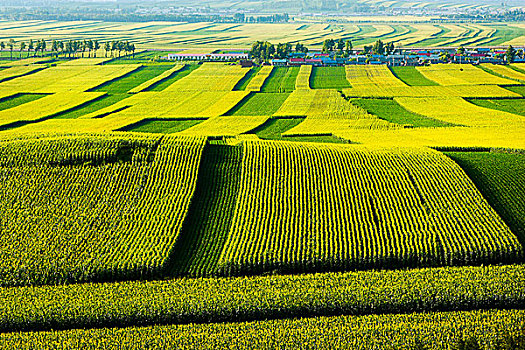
(264, 50)
(68, 48)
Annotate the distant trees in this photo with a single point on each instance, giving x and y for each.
(69, 48)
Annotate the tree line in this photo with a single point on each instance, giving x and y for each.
(67, 48)
(264, 50)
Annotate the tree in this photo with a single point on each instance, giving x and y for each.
(43, 46)
(54, 47)
(378, 48)
(107, 47)
(262, 50)
(30, 47)
(90, 47)
(11, 45)
(2, 45)
(96, 47)
(61, 46)
(340, 45)
(114, 47)
(69, 48)
(301, 48)
(510, 54)
(22, 47)
(328, 45)
(460, 51)
(348, 47)
(367, 49)
(444, 56)
(389, 48)
(283, 50)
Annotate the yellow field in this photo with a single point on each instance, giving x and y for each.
(456, 110)
(506, 72)
(468, 91)
(464, 74)
(210, 77)
(205, 37)
(46, 106)
(67, 78)
(225, 126)
(257, 82)
(303, 78)
(158, 78)
(365, 76)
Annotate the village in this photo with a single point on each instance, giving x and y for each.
(398, 57)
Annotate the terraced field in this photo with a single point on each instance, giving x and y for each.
(415, 31)
(215, 206)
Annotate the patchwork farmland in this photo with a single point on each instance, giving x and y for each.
(149, 204)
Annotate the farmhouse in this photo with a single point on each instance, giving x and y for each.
(207, 56)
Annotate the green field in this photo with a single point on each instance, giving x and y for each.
(499, 177)
(282, 79)
(259, 104)
(516, 106)
(133, 79)
(173, 78)
(411, 76)
(328, 78)
(391, 111)
(18, 99)
(162, 126)
(91, 107)
(241, 85)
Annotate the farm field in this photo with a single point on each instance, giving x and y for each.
(198, 205)
(208, 36)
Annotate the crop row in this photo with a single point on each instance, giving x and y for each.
(100, 208)
(340, 207)
(257, 81)
(484, 330)
(303, 78)
(198, 300)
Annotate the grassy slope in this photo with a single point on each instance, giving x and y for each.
(329, 78)
(411, 76)
(282, 79)
(259, 104)
(162, 126)
(391, 111)
(516, 106)
(134, 79)
(208, 222)
(500, 177)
